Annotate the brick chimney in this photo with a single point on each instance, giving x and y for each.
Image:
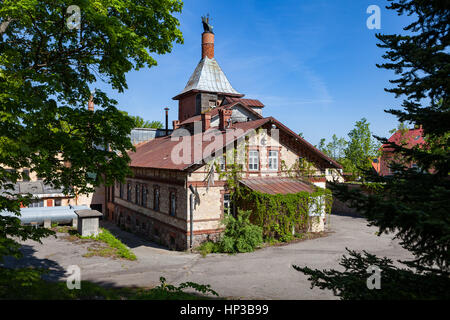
(206, 121)
(91, 103)
(224, 117)
(207, 44)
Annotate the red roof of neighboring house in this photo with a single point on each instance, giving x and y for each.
(157, 153)
(277, 185)
(410, 138)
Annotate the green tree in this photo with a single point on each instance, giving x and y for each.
(361, 149)
(335, 148)
(141, 123)
(413, 204)
(47, 71)
(400, 127)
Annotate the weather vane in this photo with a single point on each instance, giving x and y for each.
(206, 26)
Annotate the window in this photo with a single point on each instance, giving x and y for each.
(26, 175)
(144, 196)
(57, 202)
(120, 190)
(273, 160)
(173, 203)
(221, 163)
(227, 206)
(136, 194)
(128, 192)
(253, 160)
(36, 203)
(156, 199)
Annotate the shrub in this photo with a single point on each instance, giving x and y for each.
(240, 236)
(208, 247)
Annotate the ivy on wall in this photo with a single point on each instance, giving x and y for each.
(282, 216)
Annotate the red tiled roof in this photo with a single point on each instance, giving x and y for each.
(244, 102)
(410, 138)
(276, 185)
(157, 152)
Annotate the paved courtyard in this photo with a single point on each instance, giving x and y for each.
(264, 274)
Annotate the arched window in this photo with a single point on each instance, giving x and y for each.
(144, 196)
(137, 197)
(173, 203)
(156, 199)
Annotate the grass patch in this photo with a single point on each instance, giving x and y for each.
(115, 247)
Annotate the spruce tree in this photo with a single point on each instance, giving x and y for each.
(412, 204)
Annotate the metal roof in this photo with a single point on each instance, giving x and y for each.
(139, 135)
(56, 214)
(276, 185)
(208, 76)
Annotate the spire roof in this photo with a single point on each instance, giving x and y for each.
(208, 76)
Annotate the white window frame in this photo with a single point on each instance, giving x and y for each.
(273, 159)
(253, 160)
(221, 162)
(227, 204)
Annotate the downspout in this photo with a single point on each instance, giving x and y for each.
(191, 217)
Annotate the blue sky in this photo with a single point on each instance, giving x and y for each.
(311, 62)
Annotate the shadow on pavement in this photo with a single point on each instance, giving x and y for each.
(129, 239)
(55, 271)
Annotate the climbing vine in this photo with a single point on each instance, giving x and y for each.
(282, 216)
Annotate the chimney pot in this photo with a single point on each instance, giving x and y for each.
(224, 118)
(206, 121)
(167, 120)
